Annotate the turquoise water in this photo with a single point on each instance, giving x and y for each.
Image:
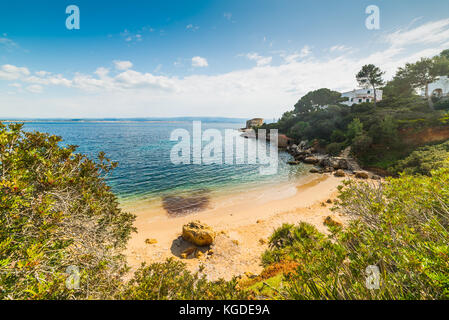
(145, 171)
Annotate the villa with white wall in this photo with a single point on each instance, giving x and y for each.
(361, 95)
(439, 88)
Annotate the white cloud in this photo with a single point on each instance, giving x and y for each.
(191, 27)
(123, 65)
(264, 90)
(305, 51)
(102, 72)
(35, 88)
(429, 33)
(10, 72)
(7, 43)
(134, 37)
(199, 62)
(260, 61)
(340, 48)
(227, 15)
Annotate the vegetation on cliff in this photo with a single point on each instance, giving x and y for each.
(373, 130)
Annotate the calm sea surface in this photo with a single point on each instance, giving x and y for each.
(145, 171)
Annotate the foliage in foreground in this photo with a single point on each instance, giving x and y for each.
(402, 227)
(424, 160)
(56, 211)
(172, 281)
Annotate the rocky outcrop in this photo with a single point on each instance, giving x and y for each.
(255, 122)
(341, 166)
(311, 160)
(198, 233)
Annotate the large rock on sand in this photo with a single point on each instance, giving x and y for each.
(361, 174)
(198, 233)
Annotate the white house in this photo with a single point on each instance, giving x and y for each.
(439, 88)
(361, 95)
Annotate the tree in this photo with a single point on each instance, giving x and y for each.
(355, 128)
(56, 211)
(445, 53)
(320, 97)
(370, 75)
(423, 72)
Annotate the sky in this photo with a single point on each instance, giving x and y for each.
(218, 58)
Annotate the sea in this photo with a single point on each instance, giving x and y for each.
(145, 172)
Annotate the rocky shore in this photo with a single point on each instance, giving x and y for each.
(341, 166)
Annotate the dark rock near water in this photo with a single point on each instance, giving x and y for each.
(311, 160)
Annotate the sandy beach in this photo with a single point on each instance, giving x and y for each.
(242, 221)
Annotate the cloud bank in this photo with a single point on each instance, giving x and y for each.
(267, 89)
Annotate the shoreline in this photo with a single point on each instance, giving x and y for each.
(243, 222)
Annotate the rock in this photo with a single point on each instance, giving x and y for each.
(199, 254)
(329, 221)
(197, 233)
(326, 162)
(293, 163)
(150, 241)
(361, 174)
(302, 144)
(339, 173)
(341, 164)
(329, 201)
(328, 169)
(210, 252)
(314, 170)
(311, 160)
(375, 177)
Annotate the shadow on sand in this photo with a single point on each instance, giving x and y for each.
(177, 205)
(179, 245)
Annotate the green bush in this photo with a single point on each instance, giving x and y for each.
(335, 148)
(171, 281)
(400, 226)
(424, 160)
(56, 211)
(361, 143)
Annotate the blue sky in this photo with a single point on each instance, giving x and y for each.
(199, 58)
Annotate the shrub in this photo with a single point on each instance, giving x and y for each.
(401, 227)
(56, 211)
(361, 143)
(335, 148)
(171, 281)
(424, 160)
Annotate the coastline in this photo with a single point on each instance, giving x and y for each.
(243, 222)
